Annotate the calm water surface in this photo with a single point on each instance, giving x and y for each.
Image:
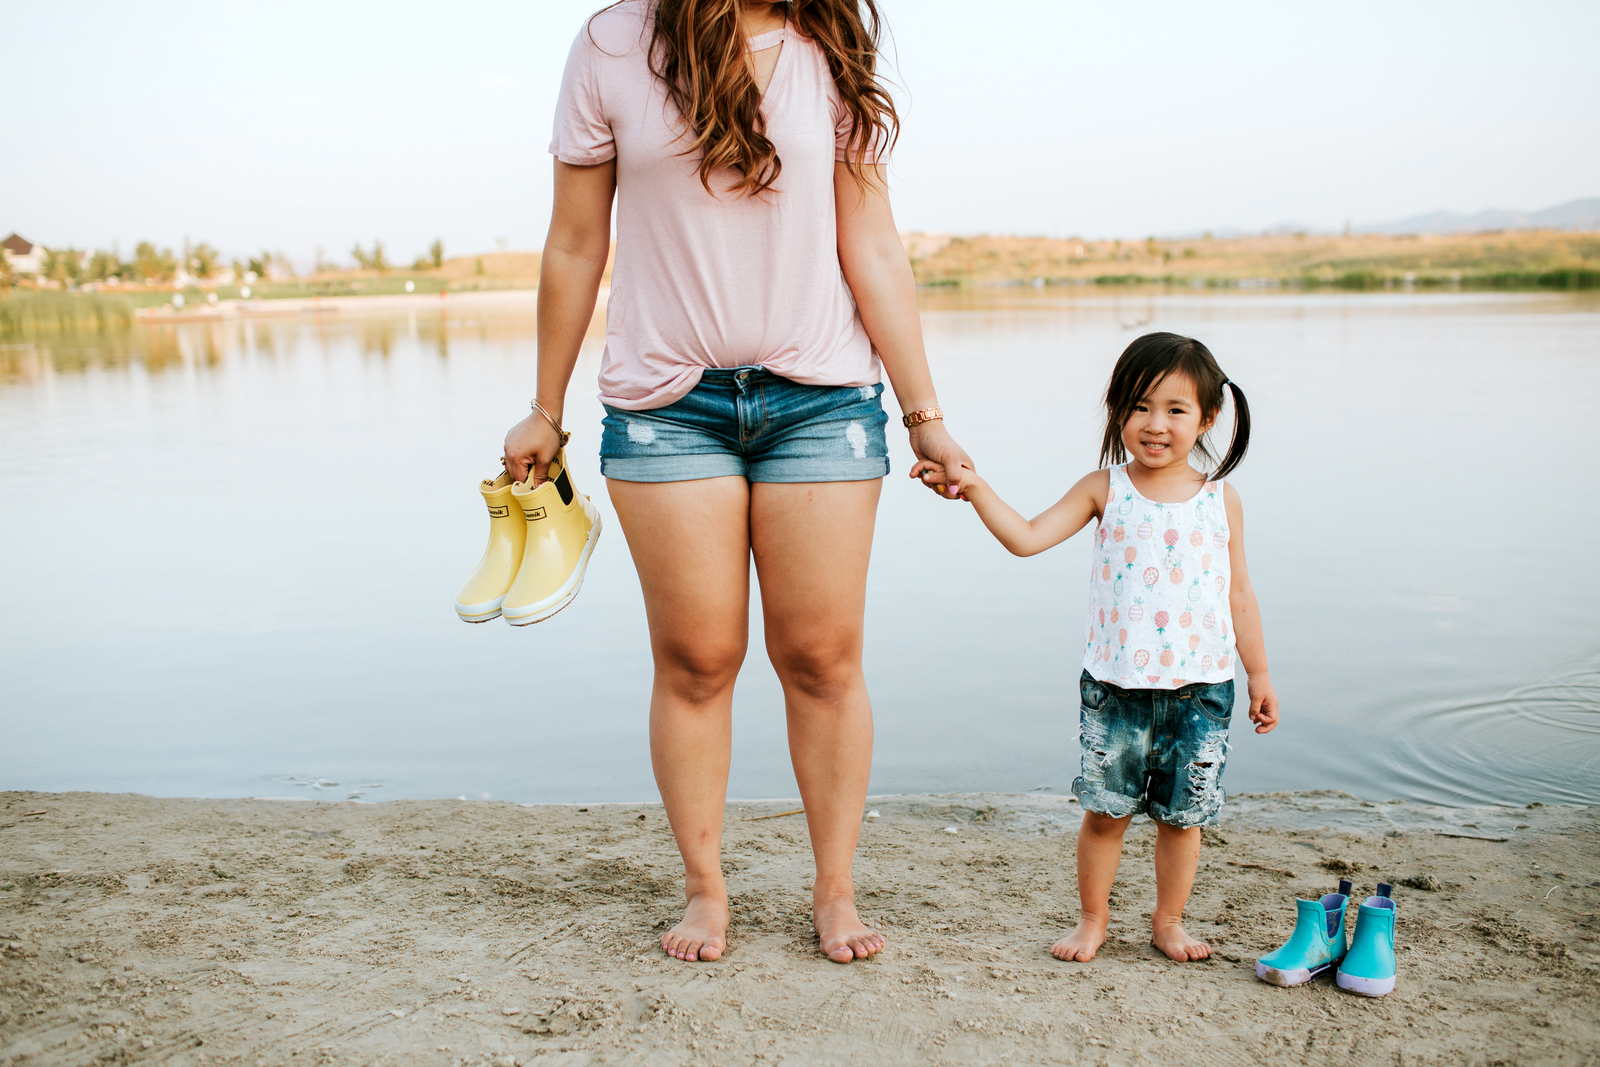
(230, 551)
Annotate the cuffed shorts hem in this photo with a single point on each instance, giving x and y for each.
(674, 468)
(1117, 806)
(1105, 802)
(722, 465)
(1207, 813)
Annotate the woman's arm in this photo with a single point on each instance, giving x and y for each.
(879, 275)
(569, 280)
(1027, 537)
(1251, 646)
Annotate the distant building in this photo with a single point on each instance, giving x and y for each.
(25, 256)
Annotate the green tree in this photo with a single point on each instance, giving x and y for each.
(153, 264)
(64, 265)
(436, 253)
(373, 260)
(103, 265)
(203, 260)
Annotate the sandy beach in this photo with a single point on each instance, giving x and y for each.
(138, 930)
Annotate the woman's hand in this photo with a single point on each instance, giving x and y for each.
(939, 459)
(530, 446)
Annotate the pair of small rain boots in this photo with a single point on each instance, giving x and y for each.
(540, 540)
(1366, 965)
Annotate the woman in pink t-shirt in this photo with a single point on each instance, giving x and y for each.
(759, 289)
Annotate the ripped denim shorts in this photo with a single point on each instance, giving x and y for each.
(1155, 751)
(749, 422)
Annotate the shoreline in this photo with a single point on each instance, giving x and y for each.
(485, 932)
(227, 310)
(1307, 809)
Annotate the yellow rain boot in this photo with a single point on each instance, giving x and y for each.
(479, 599)
(563, 526)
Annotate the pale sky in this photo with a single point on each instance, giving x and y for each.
(291, 124)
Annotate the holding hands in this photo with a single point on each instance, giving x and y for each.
(942, 465)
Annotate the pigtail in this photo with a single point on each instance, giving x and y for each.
(1241, 433)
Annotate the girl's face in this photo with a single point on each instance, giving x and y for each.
(1165, 424)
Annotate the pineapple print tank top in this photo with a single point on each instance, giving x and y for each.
(1158, 591)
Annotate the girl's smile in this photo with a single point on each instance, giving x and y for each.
(1164, 425)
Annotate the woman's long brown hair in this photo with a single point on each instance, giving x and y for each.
(698, 50)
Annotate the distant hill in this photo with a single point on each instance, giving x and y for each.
(1574, 215)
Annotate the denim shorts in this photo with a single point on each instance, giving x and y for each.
(1154, 751)
(750, 422)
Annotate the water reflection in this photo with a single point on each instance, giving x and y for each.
(162, 347)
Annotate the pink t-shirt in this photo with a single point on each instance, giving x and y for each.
(713, 281)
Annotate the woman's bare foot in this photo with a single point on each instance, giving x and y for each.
(843, 935)
(1170, 937)
(703, 932)
(1083, 942)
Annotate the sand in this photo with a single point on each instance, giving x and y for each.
(138, 930)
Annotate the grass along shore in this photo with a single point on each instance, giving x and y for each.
(1540, 259)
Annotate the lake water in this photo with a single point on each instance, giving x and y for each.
(230, 552)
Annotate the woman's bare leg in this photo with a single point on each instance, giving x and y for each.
(812, 542)
(691, 545)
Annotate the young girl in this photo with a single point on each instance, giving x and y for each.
(1170, 610)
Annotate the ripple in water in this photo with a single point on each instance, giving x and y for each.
(1538, 740)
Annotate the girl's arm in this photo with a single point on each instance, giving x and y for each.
(569, 280)
(879, 275)
(1027, 537)
(1251, 647)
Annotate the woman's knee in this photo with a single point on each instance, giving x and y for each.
(823, 668)
(698, 671)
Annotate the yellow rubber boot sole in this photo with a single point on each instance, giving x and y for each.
(480, 598)
(562, 529)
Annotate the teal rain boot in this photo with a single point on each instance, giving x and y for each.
(1316, 945)
(1369, 968)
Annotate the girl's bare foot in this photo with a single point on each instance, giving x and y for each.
(703, 932)
(1083, 942)
(1169, 936)
(843, 935)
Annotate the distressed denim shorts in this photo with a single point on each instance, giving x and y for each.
(1154, 751)
(750, 422)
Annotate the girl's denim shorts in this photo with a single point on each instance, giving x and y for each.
(749, 422)
(1155, 751)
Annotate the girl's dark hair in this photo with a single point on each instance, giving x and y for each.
(1150, 359)
(697, 49)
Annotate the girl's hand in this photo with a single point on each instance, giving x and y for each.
(1263, 703)
(938, 454)
(530, 446)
